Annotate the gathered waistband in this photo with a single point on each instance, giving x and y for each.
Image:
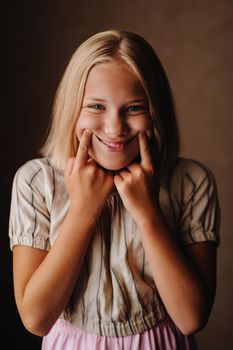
(66, 336)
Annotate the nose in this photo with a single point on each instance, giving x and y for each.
(115, 125)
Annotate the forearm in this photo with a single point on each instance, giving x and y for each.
(181, 287)
(49, 288)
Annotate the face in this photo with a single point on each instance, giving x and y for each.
(115, 108)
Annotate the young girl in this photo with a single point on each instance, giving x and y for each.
(113, 235)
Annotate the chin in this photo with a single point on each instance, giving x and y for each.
(113, 165)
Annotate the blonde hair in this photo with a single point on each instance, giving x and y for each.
(139, 56)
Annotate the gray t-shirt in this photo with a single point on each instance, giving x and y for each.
(115, 294)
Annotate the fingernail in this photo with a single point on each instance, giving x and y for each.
(88, 131)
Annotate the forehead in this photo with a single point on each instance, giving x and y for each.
(113, 76)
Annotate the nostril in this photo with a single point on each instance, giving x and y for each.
(116, 132)
(115, 127)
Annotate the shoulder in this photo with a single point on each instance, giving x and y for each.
(34, 168)
(194, 194)
(37, 175)
(192, 169)
(35, 182)
(188, 177)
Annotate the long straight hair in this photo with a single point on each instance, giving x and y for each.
(134, 51)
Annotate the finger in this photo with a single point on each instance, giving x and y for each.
(83, 148)
(91, 160)
(69, 167)
(133, 167)
(123, 173)
(118, 180)
(146, 160)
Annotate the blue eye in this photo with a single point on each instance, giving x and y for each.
(96, 106)
(136, 108)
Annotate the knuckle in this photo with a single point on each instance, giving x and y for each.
(139, 172)
(83, 147)
(124, 187)
(91, 170)
(151, 171)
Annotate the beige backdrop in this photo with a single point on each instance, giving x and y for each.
(194, 41)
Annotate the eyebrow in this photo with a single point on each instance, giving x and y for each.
(95, 99)
(133, 100)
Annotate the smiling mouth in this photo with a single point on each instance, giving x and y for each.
(115, 146)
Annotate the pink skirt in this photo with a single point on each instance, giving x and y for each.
(165, 336)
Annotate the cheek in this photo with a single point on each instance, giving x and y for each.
(85, 123)
(143, 124)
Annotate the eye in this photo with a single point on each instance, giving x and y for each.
(96, 106)
(136, 108)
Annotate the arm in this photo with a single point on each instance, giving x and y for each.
(184, 277)
(43, 282)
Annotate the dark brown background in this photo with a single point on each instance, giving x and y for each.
(194, 41)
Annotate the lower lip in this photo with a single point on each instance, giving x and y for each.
(117, 147)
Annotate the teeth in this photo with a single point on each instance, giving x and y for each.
(113, 144)
(116, 145)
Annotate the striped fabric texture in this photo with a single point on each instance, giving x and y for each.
(115, 294)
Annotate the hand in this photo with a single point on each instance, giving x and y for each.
(88, 186)
(138, 186)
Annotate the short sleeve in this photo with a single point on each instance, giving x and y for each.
(29, 221)
(199, 213)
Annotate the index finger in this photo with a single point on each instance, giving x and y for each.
(83, 148)
(146, 160)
